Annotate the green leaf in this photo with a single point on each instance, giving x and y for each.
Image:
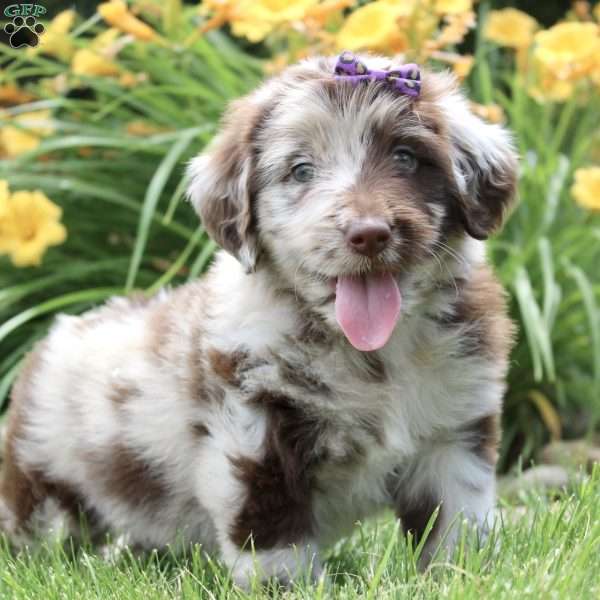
(153, 194)
(537, 332)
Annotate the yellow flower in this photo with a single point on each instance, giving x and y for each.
(510, 27)
(252, 29)
(55, 41)
(462, 66)
(25, 134)
(221, 11)
(586, 189)
(129, 79)
(255, 19)
(372, 27)
(550, 88)
(323, 11)
(143, 128)
(403, 8)
(452, 32)
(453, 7)
(116, 14)
(279, 11)
(490, 112)
(568, 48)
(62, 22)
(563, 55)
(55, 86)
(277, 64)
(29, 224)
(105, 39)
(11, 95)
(88, 62)
(581, 10)
(4, 195)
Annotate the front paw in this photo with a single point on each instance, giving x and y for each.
(258, 377)
(286, 565)
(475, 531)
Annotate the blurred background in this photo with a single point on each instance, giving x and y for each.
(100, 114)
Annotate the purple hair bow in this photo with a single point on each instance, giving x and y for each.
(406, 79)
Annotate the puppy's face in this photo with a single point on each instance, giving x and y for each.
(344, 189)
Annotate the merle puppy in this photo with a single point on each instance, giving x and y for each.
(346, 352)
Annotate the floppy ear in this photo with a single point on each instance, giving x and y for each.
(485, 167)
(221, 184)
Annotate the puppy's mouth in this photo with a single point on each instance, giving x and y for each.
(367, 308)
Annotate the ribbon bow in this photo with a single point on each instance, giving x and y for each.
(406, 79)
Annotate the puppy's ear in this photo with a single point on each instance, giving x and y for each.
(485, 166)
(221, 184)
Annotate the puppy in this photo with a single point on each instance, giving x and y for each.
(347, 351)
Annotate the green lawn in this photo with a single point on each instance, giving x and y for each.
(547, 548)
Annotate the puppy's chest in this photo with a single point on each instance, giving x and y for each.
(358, 403)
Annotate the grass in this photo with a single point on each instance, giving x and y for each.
(551, 551)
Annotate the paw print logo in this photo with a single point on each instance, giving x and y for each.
(24, 32)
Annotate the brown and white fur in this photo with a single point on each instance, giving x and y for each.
(232, 411)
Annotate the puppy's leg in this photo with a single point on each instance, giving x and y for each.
(456, 476)
(287, 564)
(31, 504)
(31, 508)
(18, 500)
(21, 492)
(260, 531)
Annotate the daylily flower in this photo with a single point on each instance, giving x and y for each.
(116, 14)
(128, 79)
(462, 66)
(255, 19)
(373, 27)
(25, 134)
(581, 9)
(88, 62)
(452, 7)
(105, 39)
(570, 49)
(490, 112)
(322, 12)
(143, 128)
(55, 41)
(11, 95)
(550, 86)
(455, 29)
(29, 224)
(586, 189)
(510, 27)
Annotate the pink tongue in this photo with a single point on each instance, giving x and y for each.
(367, 309)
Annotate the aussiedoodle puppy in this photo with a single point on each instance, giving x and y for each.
(346, 352)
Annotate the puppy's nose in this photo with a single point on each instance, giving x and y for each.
(368, 236)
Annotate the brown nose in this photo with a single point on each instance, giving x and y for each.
(368, 236)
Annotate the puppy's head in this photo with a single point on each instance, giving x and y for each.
(348, 187)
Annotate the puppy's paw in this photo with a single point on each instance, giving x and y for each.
(286, 565)
(257, 377)
(112, 551)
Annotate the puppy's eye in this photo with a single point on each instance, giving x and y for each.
(405, 159)
(303, 172)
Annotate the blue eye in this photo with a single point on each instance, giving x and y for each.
(303, 172)
(405, 159)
